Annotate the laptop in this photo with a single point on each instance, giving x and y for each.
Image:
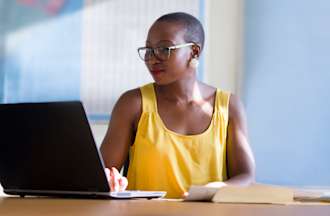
(47, 149)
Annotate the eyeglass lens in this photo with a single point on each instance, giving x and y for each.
(161, 53)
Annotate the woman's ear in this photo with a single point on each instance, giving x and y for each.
(196, 49)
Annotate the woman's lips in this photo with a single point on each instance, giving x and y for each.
(157, 72)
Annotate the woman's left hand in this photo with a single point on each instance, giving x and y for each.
(216, 184)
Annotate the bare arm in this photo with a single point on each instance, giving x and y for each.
(240, 160)
(121, 131)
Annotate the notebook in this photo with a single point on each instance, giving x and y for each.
(254, 193)
(48, 149)
(258, 193)
(312, 194)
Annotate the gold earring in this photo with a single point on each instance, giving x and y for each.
(194, 63)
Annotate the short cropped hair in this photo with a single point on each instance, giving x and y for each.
(194, 29)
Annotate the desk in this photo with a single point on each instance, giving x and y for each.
(53, 206)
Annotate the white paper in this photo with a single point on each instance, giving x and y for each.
(201, 193)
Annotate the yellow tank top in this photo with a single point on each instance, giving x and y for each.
(161, 159)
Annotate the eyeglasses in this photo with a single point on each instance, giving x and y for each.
(161, 53)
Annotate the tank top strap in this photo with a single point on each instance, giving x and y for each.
(148, 98)
(222, 99)
(222, 102)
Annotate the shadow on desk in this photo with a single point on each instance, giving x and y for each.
(54, 206)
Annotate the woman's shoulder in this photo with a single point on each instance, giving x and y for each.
(131, 98)
(211, 89)
(130, 104)
(226, 97)
(132, 95)
(207, 90)
(233, 101)
(235, 105)
(236, 108)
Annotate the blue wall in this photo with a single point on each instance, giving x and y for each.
(287, 89)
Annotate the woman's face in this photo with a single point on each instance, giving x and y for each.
(166, 34)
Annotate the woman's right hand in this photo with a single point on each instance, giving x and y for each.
(116, 181)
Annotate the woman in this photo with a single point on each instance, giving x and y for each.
(179, 131)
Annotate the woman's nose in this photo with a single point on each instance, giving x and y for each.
(152, 60)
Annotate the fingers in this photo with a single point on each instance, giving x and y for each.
(185, 194)
(216, 184)
(116, 181)
(107, 173)
(114, 178)
(115, 171)
(109, 178)
(120, 181)
(123, 183)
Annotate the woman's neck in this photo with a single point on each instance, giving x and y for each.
(183, 91)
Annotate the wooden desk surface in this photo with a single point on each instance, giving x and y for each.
(52, 206)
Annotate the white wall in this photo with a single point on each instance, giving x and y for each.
(223, 53)
(99, 130)
(111, 32)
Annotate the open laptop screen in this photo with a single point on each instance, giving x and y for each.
(48, 146)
